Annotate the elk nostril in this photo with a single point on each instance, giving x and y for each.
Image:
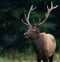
(24, 34)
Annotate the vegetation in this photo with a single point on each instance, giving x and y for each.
(26, 56)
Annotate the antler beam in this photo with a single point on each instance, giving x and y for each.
(27, 17)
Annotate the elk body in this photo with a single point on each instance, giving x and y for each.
(43, 44)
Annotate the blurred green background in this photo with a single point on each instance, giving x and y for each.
(12, 41)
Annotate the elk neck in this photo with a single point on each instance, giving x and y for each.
(36, 40)
(35, 36)
(37, 44)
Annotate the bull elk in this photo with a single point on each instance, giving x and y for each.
(43, 44)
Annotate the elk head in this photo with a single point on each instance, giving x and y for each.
(34, 30)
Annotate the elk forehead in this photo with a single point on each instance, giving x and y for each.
(31, 30)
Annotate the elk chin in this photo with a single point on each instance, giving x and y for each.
(26, 37)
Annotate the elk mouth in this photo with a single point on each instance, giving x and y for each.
(26, 36)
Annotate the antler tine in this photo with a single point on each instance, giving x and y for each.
(53, 7)
(51, 4)
(48, 12)
(27, 18)
(24, 22)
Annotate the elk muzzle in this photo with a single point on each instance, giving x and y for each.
(25, 35)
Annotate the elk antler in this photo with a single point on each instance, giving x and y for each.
(27, 17)
(48, 12)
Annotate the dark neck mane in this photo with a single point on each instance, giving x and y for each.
(36, 37)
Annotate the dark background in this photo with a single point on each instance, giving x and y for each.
(12, 29)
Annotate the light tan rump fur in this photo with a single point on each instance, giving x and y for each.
(49, 45)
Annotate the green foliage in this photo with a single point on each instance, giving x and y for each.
(27, 56)
(48, 27)
(58, 45)
(12, 11)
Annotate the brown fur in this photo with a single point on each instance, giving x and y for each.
(43, 44)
